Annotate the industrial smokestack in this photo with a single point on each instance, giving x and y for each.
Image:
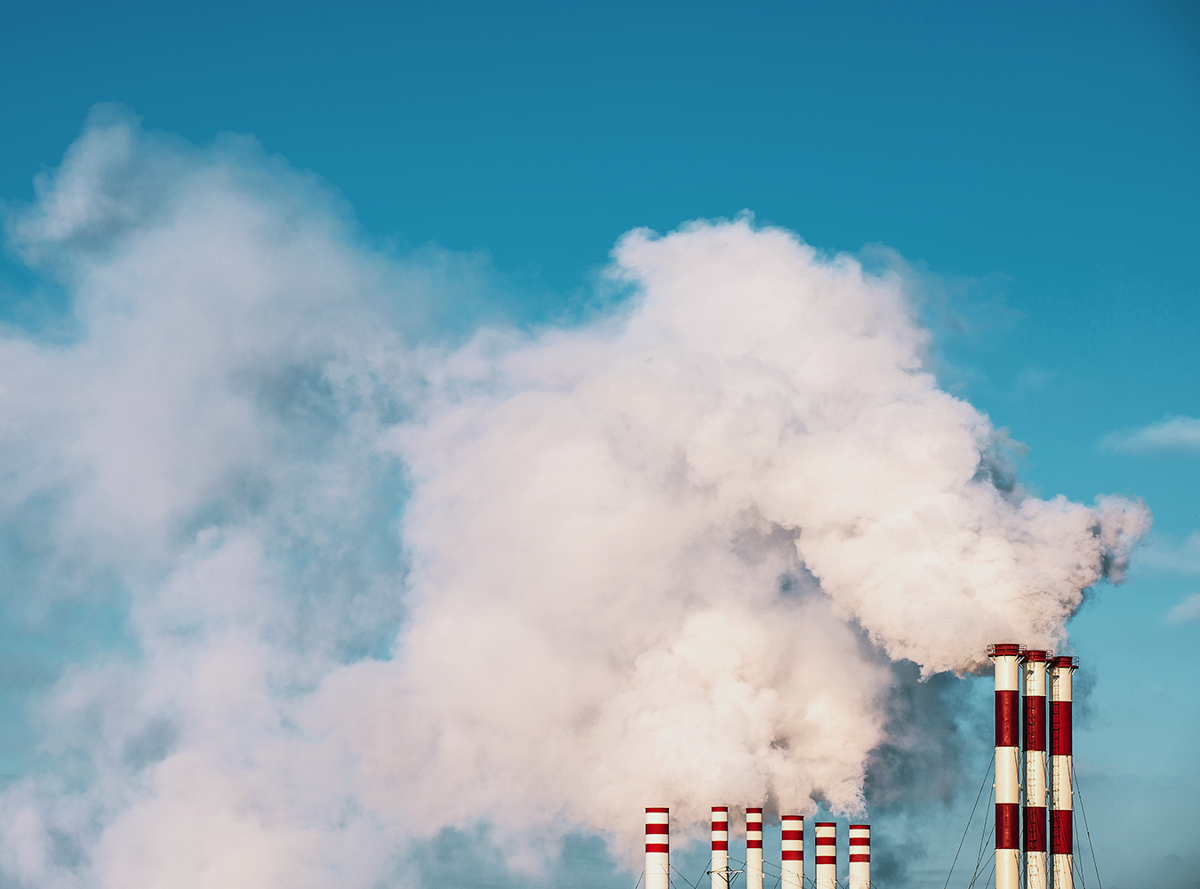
(658, 848)
(1006, 657)
(860, 857)
(825, 840)
(754, 852)
(792, 852)
(720, 847)
(1034, 664)
(1061, 803)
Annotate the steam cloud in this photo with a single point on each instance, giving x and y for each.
(380, 585)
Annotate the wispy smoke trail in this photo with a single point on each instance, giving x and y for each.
(381, 586)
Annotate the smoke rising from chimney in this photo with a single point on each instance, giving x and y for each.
(380, 585)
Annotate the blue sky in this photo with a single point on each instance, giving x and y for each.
(1035, 167)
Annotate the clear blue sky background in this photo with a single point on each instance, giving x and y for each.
(1042, 159)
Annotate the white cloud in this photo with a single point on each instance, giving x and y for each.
(635, 561)
(1186, 611)
(1173, 435)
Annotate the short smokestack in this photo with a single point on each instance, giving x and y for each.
(754, 855)
(1034, 664)
(658, 848)
(1006, 656)
(720, 847)
(792, 854)
(860, 857)
(1061, 801)
(825, 840)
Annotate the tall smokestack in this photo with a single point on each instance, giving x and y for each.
(860, 857)
(825, 840)
(720, 847)
(754, 855)
(1034, 664)
(1006, 656)
(792, 853)
(1061, 803)
(658, 848)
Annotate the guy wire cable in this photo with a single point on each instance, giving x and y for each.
(1091, 846)
(978, 796)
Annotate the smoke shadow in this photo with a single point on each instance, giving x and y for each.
(919, 779)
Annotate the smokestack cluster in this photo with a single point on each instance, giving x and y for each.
(1033, 714)
(1040, 676)
(791, 852)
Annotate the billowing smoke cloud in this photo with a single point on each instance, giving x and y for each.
(381, 585)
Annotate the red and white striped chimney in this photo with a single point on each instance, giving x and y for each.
(1034, 663)
(792, 852)
(1061, 804)
(720, 847)
(754, 856)
(825, 840)
(860, 857)
(1006, 656)
(658, 848)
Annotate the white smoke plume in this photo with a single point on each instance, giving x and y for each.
(380, 585)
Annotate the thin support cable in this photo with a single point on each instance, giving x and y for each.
(978, 796)
(1091, 845)
(979, 863)
(984, 839)
(984, 834)
(684, 879)
(986, 879)
(1076, 861)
